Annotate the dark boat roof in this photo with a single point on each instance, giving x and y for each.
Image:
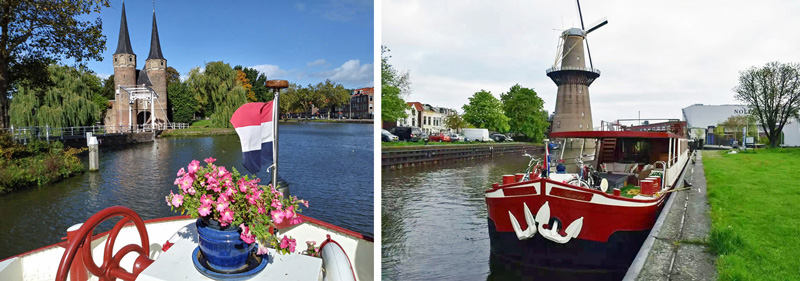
(613, 134)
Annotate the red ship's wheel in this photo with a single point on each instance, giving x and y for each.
(110, 269)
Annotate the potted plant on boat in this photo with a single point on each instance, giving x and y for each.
(233, 213)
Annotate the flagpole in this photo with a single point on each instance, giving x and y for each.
(276, 86)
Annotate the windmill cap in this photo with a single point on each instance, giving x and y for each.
(574, 32)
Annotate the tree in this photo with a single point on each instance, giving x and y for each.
(217, 92)
(173, 76)
(74, 99)
(773, 94)
(393, 107)
(183, 102)
(35, 33)
(241, 78)
(485, 111)
(108, 91)
(525, 112)
(332, 95)
(736, 124)
(259, 81)
(454, 121)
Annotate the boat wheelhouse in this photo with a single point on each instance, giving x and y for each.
(588, 219)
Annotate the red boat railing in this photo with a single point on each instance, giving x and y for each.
(80, 247)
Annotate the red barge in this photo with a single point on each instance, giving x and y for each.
(589, 220)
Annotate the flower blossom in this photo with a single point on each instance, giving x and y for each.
(181, 172)
(277, 216)
(193, 166)
(246, 235)
(210, 160)
(204, 210)
(288, 243)
(262, 250)
(177, 199)
(226, 217)
(222, 204)
(206, 200)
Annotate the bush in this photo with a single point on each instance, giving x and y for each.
(38, 163)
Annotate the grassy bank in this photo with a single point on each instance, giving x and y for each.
(754, 213)
(408, 143)
(203, 128)
(36, 164)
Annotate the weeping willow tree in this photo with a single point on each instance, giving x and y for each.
(217, 91)
(66, 102)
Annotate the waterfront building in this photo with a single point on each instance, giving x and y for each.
(701, 119)
(361, 103)
(140, 94)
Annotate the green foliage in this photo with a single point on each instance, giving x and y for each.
(331, 95)
(525, 112)
(455, 121)
(217, 92)
(173, 76)
(772, 93)
(36, 33)
(183, 102)
(753, 214)
(38, 163)
(108, 91)
(258, 81)
(486, 111)
(393, 84)
(72, 100)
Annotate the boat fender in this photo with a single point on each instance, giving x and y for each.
(336, 262)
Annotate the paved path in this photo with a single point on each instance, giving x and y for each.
(679, 251)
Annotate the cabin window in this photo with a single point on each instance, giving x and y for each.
(635, 151)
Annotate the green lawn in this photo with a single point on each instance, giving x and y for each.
(409, 143)
(755, 229)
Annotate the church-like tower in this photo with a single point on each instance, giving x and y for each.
(124, 72)
(156, 68)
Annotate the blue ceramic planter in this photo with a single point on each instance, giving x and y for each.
(222, 247)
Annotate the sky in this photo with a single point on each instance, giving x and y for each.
(656, 57)
(304, 42)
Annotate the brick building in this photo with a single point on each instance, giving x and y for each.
(362, 103)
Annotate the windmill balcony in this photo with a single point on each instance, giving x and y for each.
(573, 75)
(573, 68)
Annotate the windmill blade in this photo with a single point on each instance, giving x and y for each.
(597, 25)
(589, 53)
(580, 14)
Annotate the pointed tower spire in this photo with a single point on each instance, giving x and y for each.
(155, 45)
(124, 43)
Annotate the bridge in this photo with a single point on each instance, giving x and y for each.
(76, 134)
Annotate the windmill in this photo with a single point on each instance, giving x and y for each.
(569, 72)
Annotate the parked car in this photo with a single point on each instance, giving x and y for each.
(440, 137)
(387, 136)
(475, 134)
(409, 133)
(456, 137)
(499, 137)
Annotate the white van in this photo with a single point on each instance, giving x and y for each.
(475, 134)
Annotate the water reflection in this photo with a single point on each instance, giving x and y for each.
(328, 164)
(434, 222)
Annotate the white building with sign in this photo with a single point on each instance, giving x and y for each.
(699, 117)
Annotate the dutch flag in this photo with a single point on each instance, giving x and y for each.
(254, 125)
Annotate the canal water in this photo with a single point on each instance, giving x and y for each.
(328, 164)
(434, 222)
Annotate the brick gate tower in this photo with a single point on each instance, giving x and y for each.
(573, 108)
(141, 95)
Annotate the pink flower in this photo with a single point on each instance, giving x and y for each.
(206, 200)
(177, 199)
(261, 210)
(204, 210)
(305, 202)
(251, 199)
(277, 216)
(193, 166)
(181, 172)
(186, 182)
(284, 242)
(246, 236)
(288, 243)
(262, 250)
(210, 160)
(226, 218)
(277, 204)
(295, 220)
(222, 204)
(242, 185)
(230, 192)
(221, 172)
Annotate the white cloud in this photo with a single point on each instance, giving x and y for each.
(317, 62)
(352, 73)
(655, 57)
(271, 71)
(103, 76)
